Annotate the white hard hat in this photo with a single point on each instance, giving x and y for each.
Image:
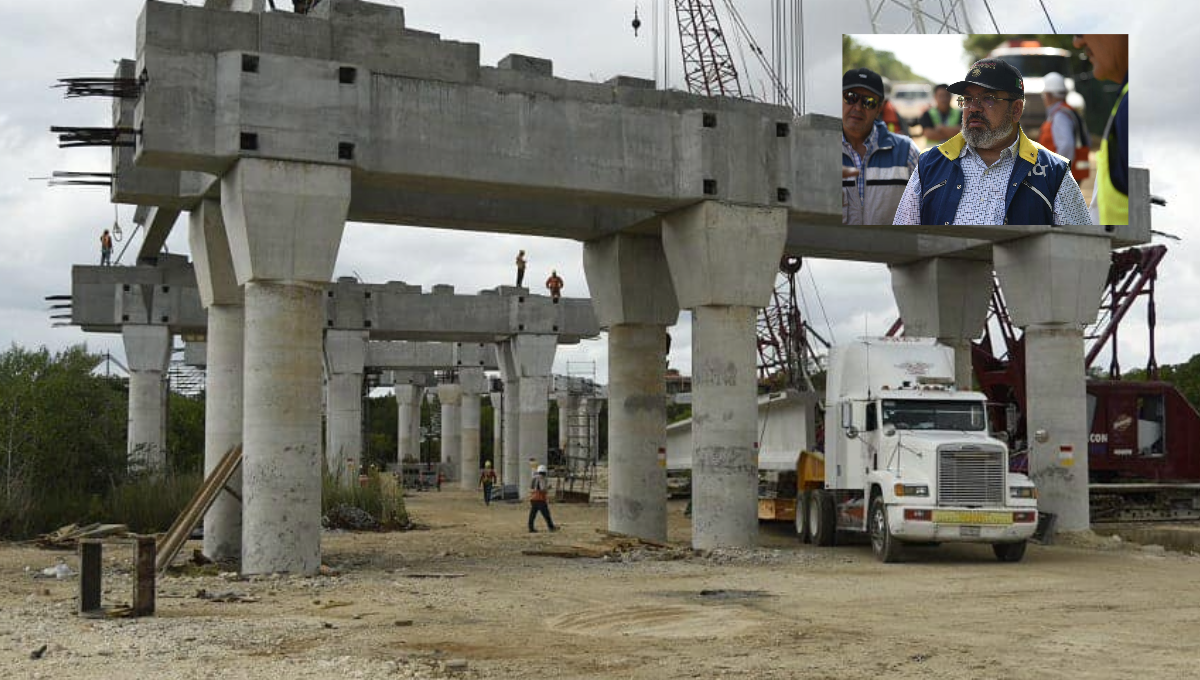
(541, 470)
(1054, 83)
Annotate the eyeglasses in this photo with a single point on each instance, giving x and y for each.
(852, 98)
(987, 101)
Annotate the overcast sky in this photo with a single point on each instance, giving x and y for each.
(48, 229)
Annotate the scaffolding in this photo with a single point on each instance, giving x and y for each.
(578, 473)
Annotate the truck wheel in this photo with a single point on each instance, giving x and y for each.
(803, 527)
(1009, 552)
(822, 523)
(883, 543)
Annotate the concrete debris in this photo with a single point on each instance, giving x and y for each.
(224, 596)
(60, 571)
(38, 653)
(344, 516)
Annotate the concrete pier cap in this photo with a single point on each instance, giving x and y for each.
(723, 259)
(1052, 284)
(944, 298)
(634, 298)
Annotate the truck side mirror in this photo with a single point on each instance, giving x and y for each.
(851, 432)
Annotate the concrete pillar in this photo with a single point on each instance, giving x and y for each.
(723, 259)
(565, 403)
(593, 406)
(473, 383)
(947, 299)
(222, 297)
(408, 410)
(450, 396)
(470, 441)
(634, 298)
(284, 222)
(345, 356)
(1052, 284)
(529, 358)
(497, 401)
(147, 352)
(510, 375)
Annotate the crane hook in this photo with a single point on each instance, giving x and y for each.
(637, 23)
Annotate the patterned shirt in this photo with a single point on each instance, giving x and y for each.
(984, 189)
(860, 162)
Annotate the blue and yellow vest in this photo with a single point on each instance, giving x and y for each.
(1114, 205)
(884, 180)
(1032, 186)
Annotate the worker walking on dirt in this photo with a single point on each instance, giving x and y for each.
(487, 479)
(520, 268)
(555, 284)
(539, 499)
(106, 249)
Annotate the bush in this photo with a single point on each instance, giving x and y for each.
(379, 496)
(150, 504)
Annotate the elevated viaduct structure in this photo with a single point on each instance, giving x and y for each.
(274, 129)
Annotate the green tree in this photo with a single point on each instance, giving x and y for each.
(856, 55)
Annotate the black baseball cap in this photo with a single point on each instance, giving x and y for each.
(993, 74)
(863, 77)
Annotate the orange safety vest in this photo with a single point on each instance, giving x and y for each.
(106, 241)
(890, 118)
(1079, 167)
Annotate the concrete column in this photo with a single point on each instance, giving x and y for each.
(1052, 284)
(284, 222)
(473, 383)
(723, 260)
(506, 359)
(947, 299)
(408, 409)
(497, 400)
(223, 404)
(450, 396)
(634, 298)
(345, 356)
(594, 406)
(534, 430)
(470, 441)
(223, 426)
(564, 402)
(147, 352)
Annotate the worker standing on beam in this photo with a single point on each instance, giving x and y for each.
(883, 160)
(106, 244)
(555, 284)
(1109, 55)
(520, 268)
(991, 172)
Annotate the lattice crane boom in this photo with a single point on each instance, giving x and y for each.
(708, 67)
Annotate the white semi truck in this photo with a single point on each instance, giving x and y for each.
(909, 459)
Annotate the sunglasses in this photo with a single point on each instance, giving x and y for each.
(852, 98)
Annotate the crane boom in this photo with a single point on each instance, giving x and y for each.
(708, 67)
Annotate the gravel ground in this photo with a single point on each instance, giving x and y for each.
(1095, 608)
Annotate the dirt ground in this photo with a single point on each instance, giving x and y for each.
(1102, 609)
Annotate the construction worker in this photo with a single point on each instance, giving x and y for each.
(539, 499)
(991, 172)
(875, 163)
(487, 479)
(106, 249)
(1064, 132)
(555, 284)
(520, 268)
(941, 121)
(1109, 54)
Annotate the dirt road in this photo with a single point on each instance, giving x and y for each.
(1107, 610)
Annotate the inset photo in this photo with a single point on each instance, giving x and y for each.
(985, 129)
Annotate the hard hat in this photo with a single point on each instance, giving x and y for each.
(487, 463)
(541, 469)
(1054, 83)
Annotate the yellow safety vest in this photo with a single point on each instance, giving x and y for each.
(1114, 205)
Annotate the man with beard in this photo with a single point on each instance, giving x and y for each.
(876, 163)
(991, 173)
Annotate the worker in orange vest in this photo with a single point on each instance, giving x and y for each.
(539, 499)
(555, 284)
(1064, 132)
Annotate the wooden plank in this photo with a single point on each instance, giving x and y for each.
(172, 541)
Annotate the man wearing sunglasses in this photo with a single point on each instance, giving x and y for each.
(991, 173)
(876, 163)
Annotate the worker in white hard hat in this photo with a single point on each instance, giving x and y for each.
(487, 479)
(1064, 132)
(539, 499)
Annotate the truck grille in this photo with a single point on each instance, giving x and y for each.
(971, 478)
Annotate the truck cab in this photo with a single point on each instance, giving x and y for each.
(909, 458)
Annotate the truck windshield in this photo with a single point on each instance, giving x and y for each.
(1038, 65)
(922, 414)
